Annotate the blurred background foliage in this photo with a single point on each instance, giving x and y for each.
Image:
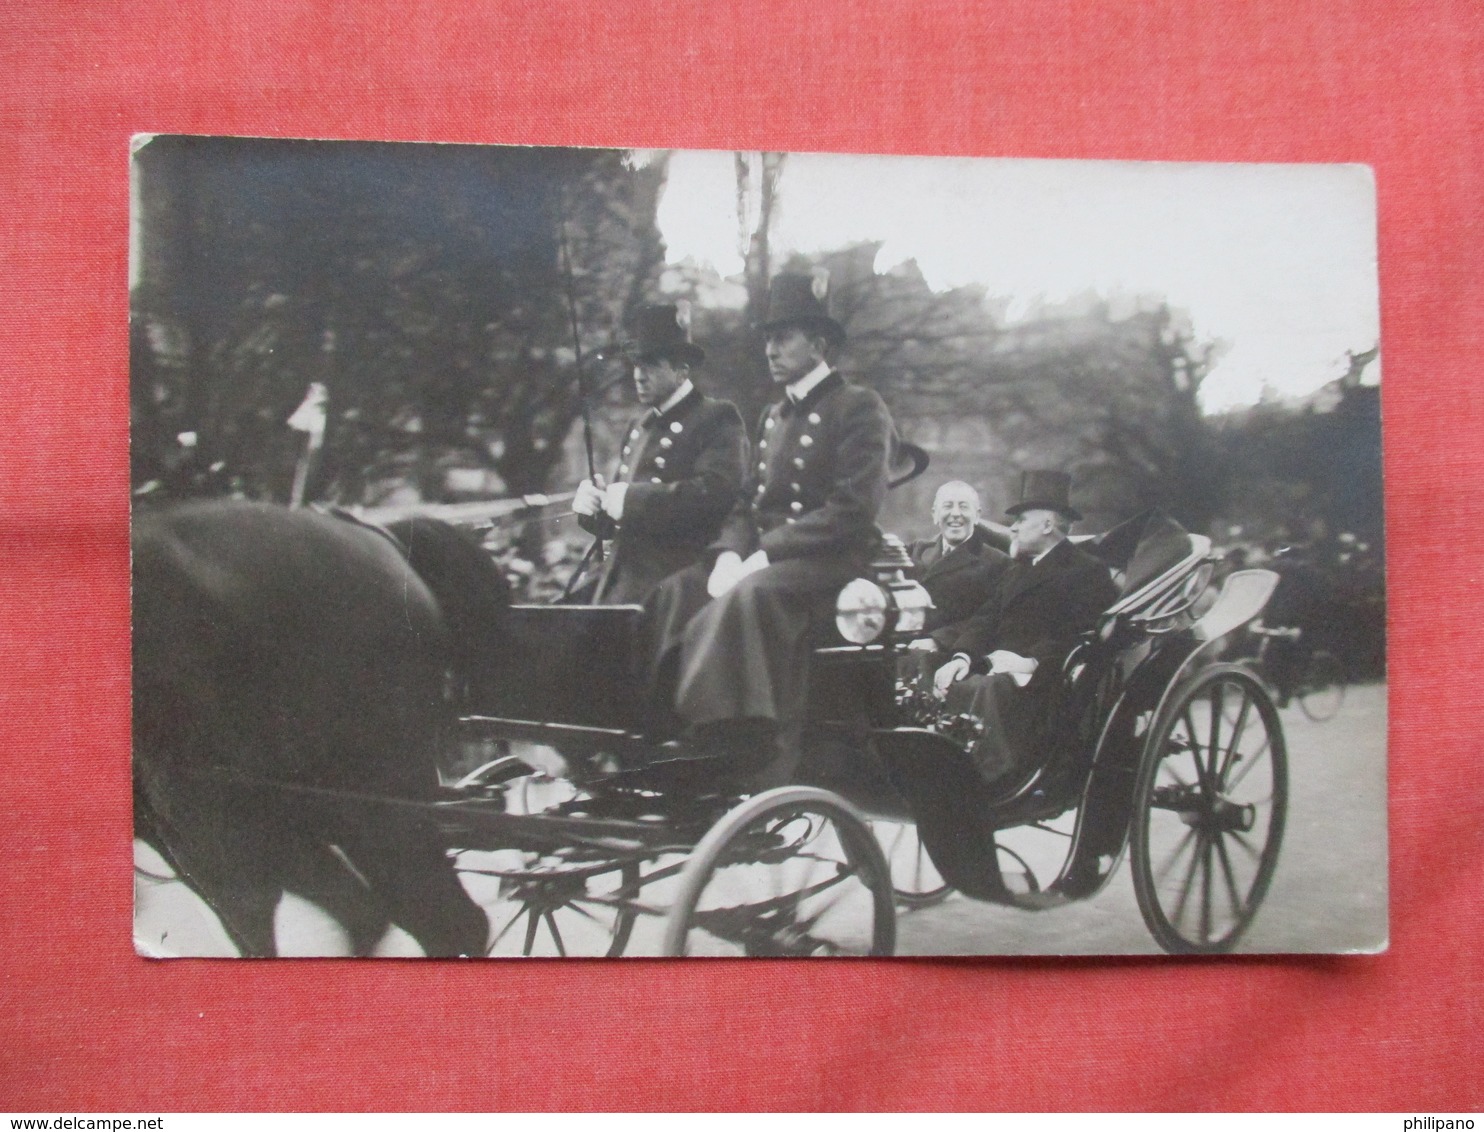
(432, 290)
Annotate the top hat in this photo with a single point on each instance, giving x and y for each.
(663, 331)
(801, 300)
(1044, 491)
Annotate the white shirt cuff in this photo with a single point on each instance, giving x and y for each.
(613, 500)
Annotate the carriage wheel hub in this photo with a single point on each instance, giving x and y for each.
(1196, 808)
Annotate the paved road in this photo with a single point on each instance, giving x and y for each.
(1329, 893)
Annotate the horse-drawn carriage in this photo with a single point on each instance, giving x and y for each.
(636, 848)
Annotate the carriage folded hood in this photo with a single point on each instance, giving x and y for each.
(1142, 548)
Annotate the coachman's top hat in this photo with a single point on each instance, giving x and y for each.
(663, 332)
(802, 301)
(1045, 491)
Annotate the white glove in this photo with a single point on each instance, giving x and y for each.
(924, 644)
(1021, 668)
(725, 574)
(757, 560)
(952, 672)
(730, 569)
(613, 500)
(589, 497)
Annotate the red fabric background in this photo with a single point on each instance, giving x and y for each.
(86, 1025)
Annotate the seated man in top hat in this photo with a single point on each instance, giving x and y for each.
(679, 473)
(1008, 657)
(806, 526)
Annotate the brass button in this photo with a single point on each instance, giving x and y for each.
(769, 423)
(813, 418)
(798, 461)
(795, 487)
(806, 441)
(795, 506)
(665, 442)
(655, 479)
(623, 469)
(676, 427)
(659, 461)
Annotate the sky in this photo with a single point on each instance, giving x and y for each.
(1277, 261)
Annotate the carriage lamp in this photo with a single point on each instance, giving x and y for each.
(860, 611)
(864, 608)
(912, 603)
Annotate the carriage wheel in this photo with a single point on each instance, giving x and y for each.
(789, 872)
(554, 905)
(1321, 687)
(1210, 802)
(915, 880)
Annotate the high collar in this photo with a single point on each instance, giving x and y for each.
(682, 391)
(798, 390)
(675, 405)
(817, 392)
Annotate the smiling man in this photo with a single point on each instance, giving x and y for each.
(959, 568)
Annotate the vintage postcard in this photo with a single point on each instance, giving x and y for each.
(601, 552)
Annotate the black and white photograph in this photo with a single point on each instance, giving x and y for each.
(548, 552)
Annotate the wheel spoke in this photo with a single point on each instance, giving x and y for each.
(583, 912)
(1206, 887)
(808, 924)
(1252, 761)
(1185, 885)
(1217, 700)
(1236, 741)
(1252, 850)
(664, 873)
(556, 935)
(1163, 872)
(519, 912)
(1175, 774)
(531, 924)
(1195, 748)
(1230, 877)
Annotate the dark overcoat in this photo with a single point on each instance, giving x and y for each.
(1038, 610)
(959, 582)
(819, 478)
(685, 470)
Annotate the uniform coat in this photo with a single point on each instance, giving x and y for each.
(959, 582)
(1038, 610)
(819, 479)
(685, 469)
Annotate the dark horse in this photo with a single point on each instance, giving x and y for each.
(287, 647)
